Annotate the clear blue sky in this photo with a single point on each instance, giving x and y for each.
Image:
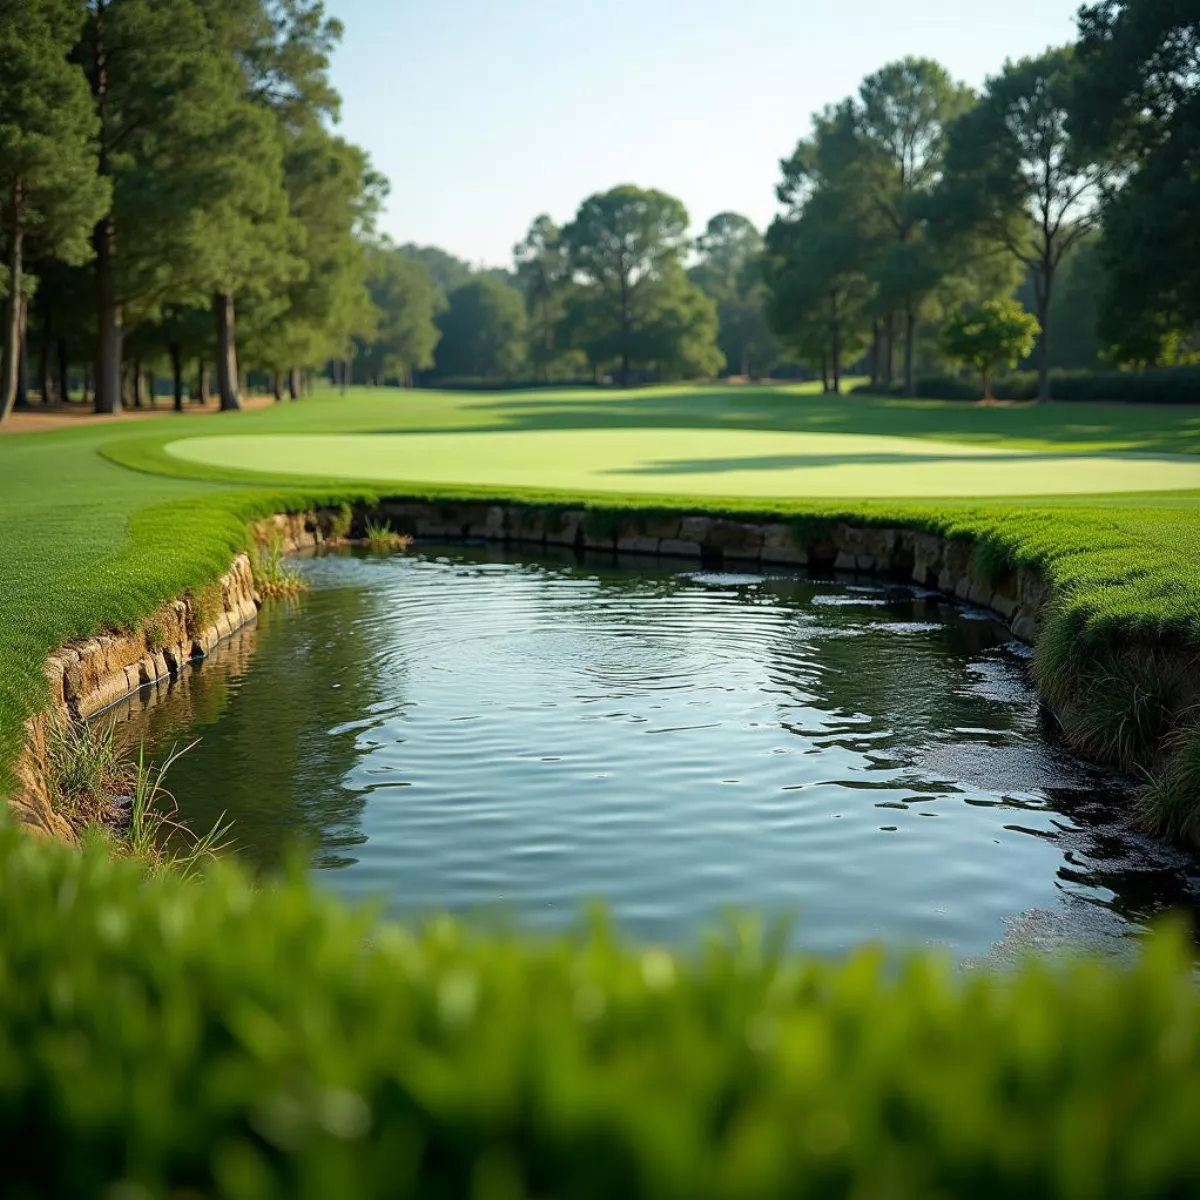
(484, 113)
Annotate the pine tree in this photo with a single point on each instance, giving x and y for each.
(50, 194)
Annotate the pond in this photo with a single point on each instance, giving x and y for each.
(514, 735)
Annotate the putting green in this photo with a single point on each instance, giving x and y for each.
(695, 461)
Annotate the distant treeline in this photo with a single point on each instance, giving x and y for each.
(921, 221)
(175, 203)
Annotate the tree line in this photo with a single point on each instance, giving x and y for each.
(174, 197)
(916, 209)
(1049, 218)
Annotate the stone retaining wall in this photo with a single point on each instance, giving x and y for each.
(88, 676)
(945, 564)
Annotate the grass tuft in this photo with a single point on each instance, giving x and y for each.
(102, 791)
(154, 835)
(84, 771)
(341, 522)
(274, 576)
(380, 535)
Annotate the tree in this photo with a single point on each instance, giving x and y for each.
(626, 247)
(1016, 176)
(447, 272)
(901, 120)
(998, 331)
(483, 331)
(333, 195)
(677, 338)
(818, 290)
(50, 192)
(151, 69)
(407, 303)
(730, 271)
(1137, 100)
(543, 277)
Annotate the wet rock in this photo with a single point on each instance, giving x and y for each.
(679, 548)
(563, 528)
(779, 546)
(637, 545)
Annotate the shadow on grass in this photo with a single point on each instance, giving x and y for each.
(788, 462)
(1143, 428)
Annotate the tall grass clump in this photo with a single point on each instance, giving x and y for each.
(84, 771)
(1168, 802)
(153, 833)
(379, 535)
(274, 576)
(340, 523)
(100, 788)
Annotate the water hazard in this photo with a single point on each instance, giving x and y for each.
(512, 737)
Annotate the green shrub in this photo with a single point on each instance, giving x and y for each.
(1164, 385)
(168, 1037)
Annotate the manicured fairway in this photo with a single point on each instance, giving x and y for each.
(709, 462)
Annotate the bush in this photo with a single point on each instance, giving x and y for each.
(170, 1037)
(1166, 385)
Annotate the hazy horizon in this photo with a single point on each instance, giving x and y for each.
(483, 116)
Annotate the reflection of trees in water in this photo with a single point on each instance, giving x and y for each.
(276, 759)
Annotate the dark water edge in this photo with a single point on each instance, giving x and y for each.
(512, 736)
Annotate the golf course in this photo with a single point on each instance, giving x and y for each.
(1102, 498)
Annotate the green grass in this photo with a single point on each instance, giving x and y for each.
(99, 525)
(160, 1037)
(702, 462)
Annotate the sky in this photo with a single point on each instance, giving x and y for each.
(485, 113)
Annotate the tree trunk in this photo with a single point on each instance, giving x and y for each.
(152, 388)
(10, 349)
(987, 385)
(276, 387)
(835, 343)
(824, 373)
(227, 368)
(203, 383)
(64, 371)
(889, 358)
(87, 383)
(347, 378)
(875, 352)
(294, 383)
(46, 359)
(23, 354)
(111, 335)
(1043, 294)
(910, 332)
(746, 360)
(177, 375)
(138, 381)
(109, 330)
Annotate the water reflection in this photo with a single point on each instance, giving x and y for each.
(461, 730)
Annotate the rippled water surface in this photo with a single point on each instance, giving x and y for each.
(460, 728)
